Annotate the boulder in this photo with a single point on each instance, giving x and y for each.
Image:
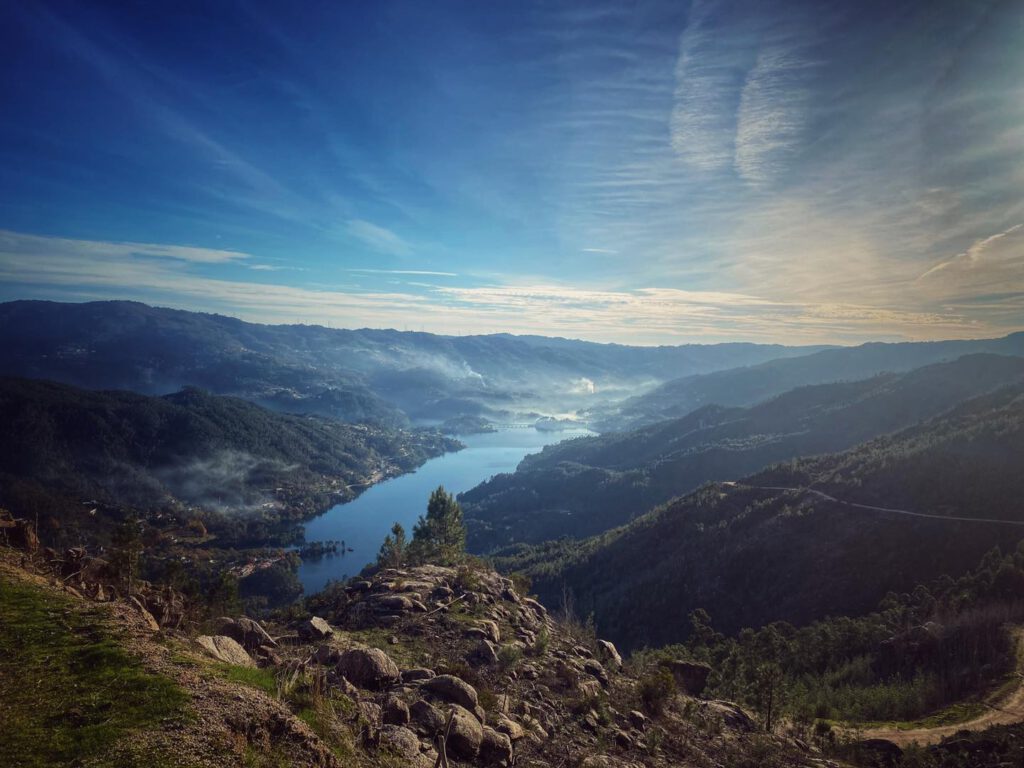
(369, 668)
(883, 752)
(315, 629)
(148, 619)
(246, 631)
(608, 654)
(691, 676)
(419, 673)
(453, 689)
(732, 715)
(495, 747)
(225, 649)
(368, 712)
(396, 711)
(485, 653)
(594, 669)
(427, 719)
(510, 728)
(399, 741)
(491, 630)
(637, 719)
(466, 734)
(326, 655)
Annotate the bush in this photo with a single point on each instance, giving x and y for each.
(656, 689)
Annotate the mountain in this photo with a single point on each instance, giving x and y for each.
(753, 552)
(751, 384)
(189, 452)
(378, 376)
(584, 486)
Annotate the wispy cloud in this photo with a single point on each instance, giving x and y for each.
(377, 237)
(422, 272)
(39, 246)
(973, 256)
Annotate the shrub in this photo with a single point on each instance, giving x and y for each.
(656, 688)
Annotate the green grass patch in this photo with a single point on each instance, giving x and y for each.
(262, 679)
(69, 691)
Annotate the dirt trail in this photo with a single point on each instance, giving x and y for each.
(1009, 710)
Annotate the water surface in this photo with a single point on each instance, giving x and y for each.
(364, 522)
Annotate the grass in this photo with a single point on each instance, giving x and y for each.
(68, 691)
(262, 679)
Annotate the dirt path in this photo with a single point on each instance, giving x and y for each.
(1009, 710)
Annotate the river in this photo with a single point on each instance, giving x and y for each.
(364, 522)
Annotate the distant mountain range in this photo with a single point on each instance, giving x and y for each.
(752, 384)
(585, 486)
(380, 376)
(752, 553)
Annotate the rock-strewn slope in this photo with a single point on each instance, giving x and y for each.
(417, 667)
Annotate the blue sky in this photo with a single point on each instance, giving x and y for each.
(645, 172)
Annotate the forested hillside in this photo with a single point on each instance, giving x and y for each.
(588, 485)
(748, 385)
(188, 450)
(752, 554)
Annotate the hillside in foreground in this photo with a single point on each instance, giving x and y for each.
(390, 671)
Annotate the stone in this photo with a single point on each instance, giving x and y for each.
(326, 655)
(485, 653)
(246, 631)
(225, 649)
(623, 739)
(637, 719)
(466, 733)
(368, 712)
(427, 718)
(691, 676)
(400, 741)
(148, 619)
(608, 654)
(732, 715)
(453, 689)
(491, 629)
(495, 747)
(369, 668)
(536, 607)
(510, 728)
(594, 669)
(396, 711)
(419, 673)
(315, 629)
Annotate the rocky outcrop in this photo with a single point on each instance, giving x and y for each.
(466, 734)
(246, 632)
(225, 649)
(315, 629)
(691, 676)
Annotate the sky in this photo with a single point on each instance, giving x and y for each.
(636, 172)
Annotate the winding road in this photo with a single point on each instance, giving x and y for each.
(826, 497)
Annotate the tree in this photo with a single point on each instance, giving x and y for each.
(392, 551)
(440, 535)
(127, 549)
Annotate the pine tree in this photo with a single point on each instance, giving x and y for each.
(440, 535)
(392, 551)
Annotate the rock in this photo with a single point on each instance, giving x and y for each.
(605, 761)
(453, 689)
(358, 585)
(495, 747)
(427, 719)
(268, 656)
(151, 623)
(491, 629)
(594, 669)
(609, 655)
(315, 629)
(420, 673)
(391, 603)
(466, 734)
(691, 676)
(368, 712)
(400, 741)
(536, 607)
(510, 728)
(396, 711)
(589, 689)
(225, 649)
(326, 655)
(246, 631)
(637, 719)
(485, 653)
(732, 715)
(369, 668)
(623, 739)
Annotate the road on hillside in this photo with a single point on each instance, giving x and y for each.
(1009, 710)
(826, 497)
